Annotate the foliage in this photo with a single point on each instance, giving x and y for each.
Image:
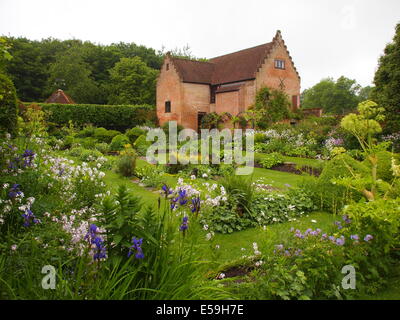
(334, 97)
(104, 135)
(8, 105)
(117, 117)
(132, 82)
(214, 120)
(32, 61)
(126, 163)
(118, 142)
(141, 145)
(273, 105)
(271, 159)
(387, 83)
(72, 74)
(90, 155)
(134, 133)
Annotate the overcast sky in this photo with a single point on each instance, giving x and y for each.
(326, 38)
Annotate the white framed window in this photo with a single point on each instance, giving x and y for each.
(279, 64)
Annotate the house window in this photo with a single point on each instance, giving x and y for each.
(279, 64)
(167, 66)
(167, 106)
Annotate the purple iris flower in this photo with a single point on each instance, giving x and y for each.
(137, 246)
(184, 226)
(368, 237)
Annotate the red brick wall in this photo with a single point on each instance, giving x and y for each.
(169, 88)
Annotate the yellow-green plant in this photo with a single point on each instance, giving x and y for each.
(364, 126)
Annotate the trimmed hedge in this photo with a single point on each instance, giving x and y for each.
(8, 105)
(115, 117)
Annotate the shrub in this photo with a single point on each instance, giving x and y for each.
(134, 133)
(87, 131)
(102, 147)
(126, 164)
(90, 155)
(117, 117)
(104, 135)
(76, 151)
(259, 137)
(87, 143)
(8, 105)
(68, 141)
(118, 142)
(271, 160)
(141, 145)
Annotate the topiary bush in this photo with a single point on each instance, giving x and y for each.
(134, 133)
(118, 142)
(141, 145)
(8, 105)
(90, 155)
(104, 135)
(102, 147)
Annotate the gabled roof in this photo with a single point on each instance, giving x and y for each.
(240, 65)
(194, 71)
(233, 67)
(60, 96)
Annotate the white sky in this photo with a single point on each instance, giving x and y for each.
(325, 37)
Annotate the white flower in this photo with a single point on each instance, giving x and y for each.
(217, 246)
(259, 263)
(14, 247)
(204, 175)
(314, 221)
(193, 177)
(5, 186)
(205, 227)
(221, 276)
(209, 235)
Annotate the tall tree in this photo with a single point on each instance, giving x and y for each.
(387, 83)
(336, 97)
(70, 73)
(132, 82)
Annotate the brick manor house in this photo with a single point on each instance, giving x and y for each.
(187, 89)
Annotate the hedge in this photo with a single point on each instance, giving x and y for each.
(115, 117)
(8, 105)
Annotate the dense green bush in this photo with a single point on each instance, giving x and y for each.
(102, 147)
(118, 142)
(141, 145)
(90, 155)
(271, 160)
(117, 117)
(76, 151)
(104, 135)
(87, 143)
(134, 133)
(126, 164)
(8, 105)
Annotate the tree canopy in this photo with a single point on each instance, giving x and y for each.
(387, 83)
(132, 82)
(335, 97)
